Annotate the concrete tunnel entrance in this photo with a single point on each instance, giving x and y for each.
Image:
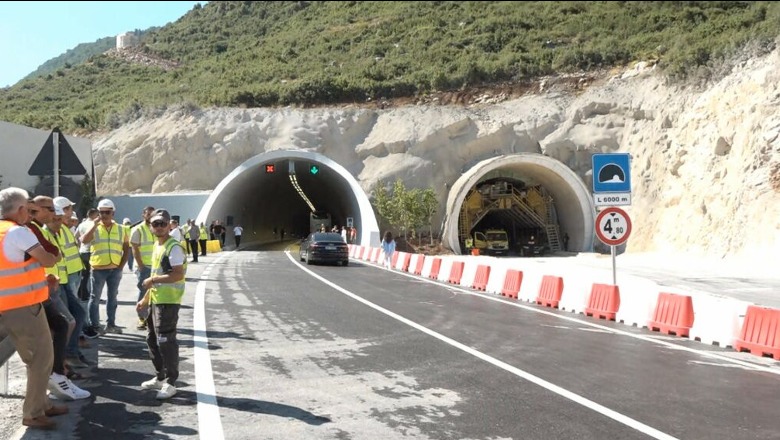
(262, 199)
(525, 193)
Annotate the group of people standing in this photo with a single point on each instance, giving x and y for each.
(46, 272)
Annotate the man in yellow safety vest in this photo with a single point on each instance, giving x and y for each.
(165, 289)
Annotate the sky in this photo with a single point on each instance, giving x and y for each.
(32, 33)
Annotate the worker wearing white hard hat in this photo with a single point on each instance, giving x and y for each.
(109, 248)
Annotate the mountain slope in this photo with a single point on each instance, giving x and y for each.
(254, 54)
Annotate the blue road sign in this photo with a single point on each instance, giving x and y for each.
(612, 173)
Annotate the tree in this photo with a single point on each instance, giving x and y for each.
(428, 206)
(87, 195)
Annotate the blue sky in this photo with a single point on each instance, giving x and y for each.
(32, 33)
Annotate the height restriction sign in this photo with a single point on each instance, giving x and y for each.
(613, 226)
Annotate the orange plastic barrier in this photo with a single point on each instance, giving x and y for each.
(604, 301)
(395, 259)
(760, 333)
(435, 266)
(512, 282)
(550, 291)
(673, 314)
(481, 278)
(456, 272)
(420, 262)
(405, 262)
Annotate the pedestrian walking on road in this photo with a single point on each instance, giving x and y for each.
(388, 246)
(237, 231)
(164, 291)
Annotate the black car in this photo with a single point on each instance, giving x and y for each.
(324, 247)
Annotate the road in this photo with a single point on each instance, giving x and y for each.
(273, 349)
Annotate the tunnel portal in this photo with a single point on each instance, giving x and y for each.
(526, 195)
(278, 190)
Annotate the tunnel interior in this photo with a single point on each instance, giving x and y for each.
(263, 197)
(525, 194)
(517, 204)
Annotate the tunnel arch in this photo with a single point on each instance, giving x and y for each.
(263, 202)
(573, 201)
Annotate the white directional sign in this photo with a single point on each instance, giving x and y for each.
(612, 199)
(613, 226)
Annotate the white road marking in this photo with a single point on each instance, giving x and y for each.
(209, 420)
(652, 338)
(614, 415)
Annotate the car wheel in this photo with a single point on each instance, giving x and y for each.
(308, 260)
(345, 263)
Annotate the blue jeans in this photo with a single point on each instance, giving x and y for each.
(74, 283)
(142, 274)
(99, 278)
(75, 309)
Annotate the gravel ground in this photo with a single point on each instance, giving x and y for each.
(11, 402)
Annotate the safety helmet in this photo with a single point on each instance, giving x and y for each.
(106, 204)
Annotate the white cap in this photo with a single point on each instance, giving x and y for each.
(58, 210)
(126, 221)
(106, 204)
(74, 216)
(62, 202)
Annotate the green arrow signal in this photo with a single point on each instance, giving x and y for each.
(314, 169)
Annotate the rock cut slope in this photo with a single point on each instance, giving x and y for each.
(705, 160)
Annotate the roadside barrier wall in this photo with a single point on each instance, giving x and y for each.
(634, 301)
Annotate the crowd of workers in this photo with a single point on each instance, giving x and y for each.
(53, 271)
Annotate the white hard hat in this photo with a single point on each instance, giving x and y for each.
(126, 221)
(62, 202)
(106, 204)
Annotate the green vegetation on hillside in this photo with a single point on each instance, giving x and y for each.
(309, 53)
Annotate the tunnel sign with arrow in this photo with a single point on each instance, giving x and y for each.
(314, 169)
(613, 226)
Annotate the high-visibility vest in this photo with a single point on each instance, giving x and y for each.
(204, 233)
(147, 243)
(23, 284)
(61, 268)
(169, 293)
(70, 250)
(107, 246)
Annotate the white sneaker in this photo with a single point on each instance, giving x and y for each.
(78, 393)
(153, 384)
(60, 387)
(166, 392)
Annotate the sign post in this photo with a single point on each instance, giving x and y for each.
(613, 227)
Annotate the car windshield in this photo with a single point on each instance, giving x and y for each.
(327, 236)
(496, 236)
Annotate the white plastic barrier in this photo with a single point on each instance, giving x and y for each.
(498, 270)
(446, 268)
(413, 262)
(638, 297)
(717, 320)
(427, 265)
(532, 279)
(470, 268)
(577, 284)
(400, 260)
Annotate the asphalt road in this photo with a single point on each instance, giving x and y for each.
(291, 351)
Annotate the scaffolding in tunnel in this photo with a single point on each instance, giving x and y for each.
(530, 207)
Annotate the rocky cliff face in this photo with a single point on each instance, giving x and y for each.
(705, 169)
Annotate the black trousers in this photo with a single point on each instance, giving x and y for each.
(161, 339)
(194, 249)
(203, 247)
(58, 325)
(238, 240)
(84, 292)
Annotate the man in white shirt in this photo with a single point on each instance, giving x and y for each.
(237, 231)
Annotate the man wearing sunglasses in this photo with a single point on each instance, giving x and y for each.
(109, 248)
(23, 287)
(164, 291)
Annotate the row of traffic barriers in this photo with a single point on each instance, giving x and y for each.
(725, 322)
